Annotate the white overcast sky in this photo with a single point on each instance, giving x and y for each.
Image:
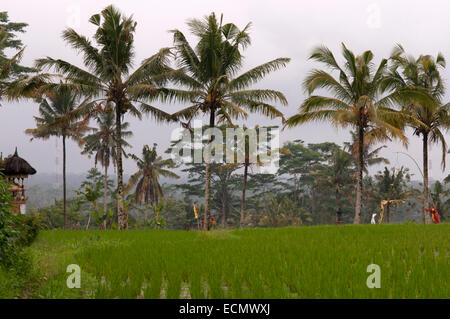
(280, 29)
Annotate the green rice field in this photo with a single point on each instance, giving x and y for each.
(301, 262)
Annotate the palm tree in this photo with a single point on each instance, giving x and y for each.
(107, 77)
(428, 119)
(249, 154)
(392, 187)
(55, 110)
(356, 100)
(208, 73)
(102, 142)
(146, 179)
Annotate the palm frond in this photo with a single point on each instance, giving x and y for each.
(156, 113)
(254, 75)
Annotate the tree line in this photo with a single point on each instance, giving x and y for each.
(378, 102)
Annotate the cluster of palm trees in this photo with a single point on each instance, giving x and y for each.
(378, 101)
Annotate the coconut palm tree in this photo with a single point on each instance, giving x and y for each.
(252, 158)
(429, 119)
(101, 142)
(55, 119)
(108, 78)
(355, 100)
(146, 179)
(208, 73)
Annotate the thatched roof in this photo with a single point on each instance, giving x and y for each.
(15, 165)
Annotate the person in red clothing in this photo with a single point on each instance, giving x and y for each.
(212, 223)
(434, 215)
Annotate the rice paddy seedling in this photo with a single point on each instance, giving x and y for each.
(301, 262)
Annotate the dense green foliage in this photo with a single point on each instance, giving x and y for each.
(7, 233)
(315, 182)
(298, 262)
(16, 232)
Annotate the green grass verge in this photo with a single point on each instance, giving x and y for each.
(303, 262)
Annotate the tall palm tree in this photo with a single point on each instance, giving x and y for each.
(146, 179)
(208, 73)
(109, 80)
(356, 100)
(428, 119)
(102, 142)
(55, 110)
(249, 154)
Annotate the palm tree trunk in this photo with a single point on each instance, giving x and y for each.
(388, 213)
(338, 209)
(122, 216)
(295, 188)
(105, 194)
(359, 185)
(244, 187)
(88, 222)
(426, 204)
(64, 181)
(208, 176)
(207, 194)
(224, 206)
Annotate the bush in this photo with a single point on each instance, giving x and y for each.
(16, 231)
(28, 227)
(8, 234)
(16, 274)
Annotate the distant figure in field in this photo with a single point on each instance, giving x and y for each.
(212, 223)
(434, 215)
(372, 221)
(77, 226)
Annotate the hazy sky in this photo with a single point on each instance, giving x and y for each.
(280, 29)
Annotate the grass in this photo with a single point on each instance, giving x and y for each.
(303, 262)
(19, 279)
